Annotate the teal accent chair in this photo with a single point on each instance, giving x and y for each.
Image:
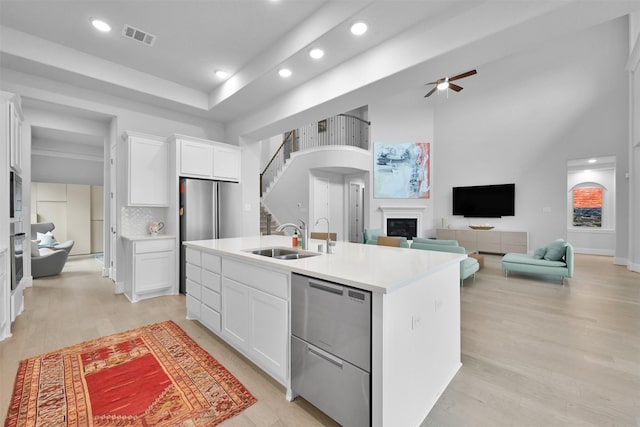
(468, 266)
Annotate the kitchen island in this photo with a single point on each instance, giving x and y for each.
(415, 312)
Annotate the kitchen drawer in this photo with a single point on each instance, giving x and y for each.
(211, 299)
(272, 282)
(210, 318)
(210, 280)
(336, 387)
(211, 262)
(194, 273)
(194, 289)
(147, 246)
(193, 308)
(193, 256)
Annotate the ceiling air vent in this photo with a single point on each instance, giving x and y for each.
(139, 35)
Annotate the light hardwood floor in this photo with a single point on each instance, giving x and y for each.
(534, 353)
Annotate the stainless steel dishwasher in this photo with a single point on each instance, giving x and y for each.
(331, 348)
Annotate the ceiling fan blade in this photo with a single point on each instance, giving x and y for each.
(455, 87)
(463, 75)
(431, 92)
(431, 83)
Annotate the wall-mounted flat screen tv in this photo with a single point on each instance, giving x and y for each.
(484, 201)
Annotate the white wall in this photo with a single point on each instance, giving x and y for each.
(404, 117)
(537, 110)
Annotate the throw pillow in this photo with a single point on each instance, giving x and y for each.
(46, 239)
(556, 250)
(34, 248)
(539, 253)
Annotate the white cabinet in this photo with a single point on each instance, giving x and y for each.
(196, 159)
(151, 271)
(4, 296)
(15, 135)
(235, 313)
(203, 286)
(226, 163)
(255, 314)
(491, 241)
(147, 170)
(201, 158)
(247, 305)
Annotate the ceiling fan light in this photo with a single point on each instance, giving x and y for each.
(443, 85)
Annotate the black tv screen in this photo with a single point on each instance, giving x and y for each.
(484, 201)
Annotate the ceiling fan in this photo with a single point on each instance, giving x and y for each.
(444, 83)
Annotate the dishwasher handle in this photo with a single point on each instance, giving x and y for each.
(327, 287)
(324, 355)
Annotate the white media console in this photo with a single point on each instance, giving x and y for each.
(492, 241)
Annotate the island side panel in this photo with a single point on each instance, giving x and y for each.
(420, 345)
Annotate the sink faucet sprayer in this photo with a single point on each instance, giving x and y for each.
(302, 229)
(328, 233)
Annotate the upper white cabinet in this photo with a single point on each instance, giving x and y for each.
(196, 159)
(201, 158)
(226, 163)
(14, 127)
(148, 170)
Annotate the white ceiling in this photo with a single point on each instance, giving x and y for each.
(252, 39)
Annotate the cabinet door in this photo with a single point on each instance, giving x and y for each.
(148, 172)
(196, 159)
(226, 163)
(15, 138)
(235, 309)
(152, 272)
(268, 332)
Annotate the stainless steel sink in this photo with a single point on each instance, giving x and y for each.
(282, 253)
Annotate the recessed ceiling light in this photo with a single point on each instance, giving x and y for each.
(284, 72)
(316, 53)
(359, 28)
(222, 74)
(100, 25)
(592, 160)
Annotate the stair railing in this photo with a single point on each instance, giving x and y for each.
(341, 129)
(277, 161)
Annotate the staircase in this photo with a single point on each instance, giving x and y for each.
(268, 225)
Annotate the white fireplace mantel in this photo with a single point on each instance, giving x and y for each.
(391, 212)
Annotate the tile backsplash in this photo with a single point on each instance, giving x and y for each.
(135, 220)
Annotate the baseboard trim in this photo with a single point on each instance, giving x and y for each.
(621, 261)
(634, 267)
(119, 288)
(589, 251)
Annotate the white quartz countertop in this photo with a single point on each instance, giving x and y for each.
(148, 237)
(375, 268)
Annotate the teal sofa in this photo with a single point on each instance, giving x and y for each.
(555, 259)
(468, 266)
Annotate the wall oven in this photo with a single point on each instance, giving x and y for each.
(16, 247)
(15, 196)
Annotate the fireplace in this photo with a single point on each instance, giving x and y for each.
(403, 227)
(405, 221)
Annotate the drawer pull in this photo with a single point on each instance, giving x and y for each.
(326, 356)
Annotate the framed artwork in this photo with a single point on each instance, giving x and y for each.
(401, 171)
(587, 207)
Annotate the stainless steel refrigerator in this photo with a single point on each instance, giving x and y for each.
(198, 215)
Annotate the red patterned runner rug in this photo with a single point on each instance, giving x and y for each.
(150, 376)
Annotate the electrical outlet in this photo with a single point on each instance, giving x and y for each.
(416, 321)
(437, 305)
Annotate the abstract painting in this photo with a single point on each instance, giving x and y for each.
(587, 207)
(401, 171)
